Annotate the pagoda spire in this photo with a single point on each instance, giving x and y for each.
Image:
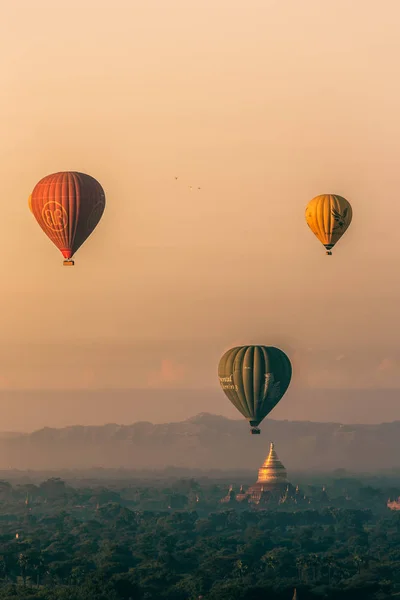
(272, 470)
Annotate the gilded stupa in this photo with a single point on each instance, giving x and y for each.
(272, 474)
(271, 484)
(271, 488)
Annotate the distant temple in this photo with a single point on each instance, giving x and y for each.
(230, 498)
(271, 486)
(393, 504)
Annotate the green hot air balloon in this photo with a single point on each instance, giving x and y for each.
(254, 378)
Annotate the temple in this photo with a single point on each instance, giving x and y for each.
(393, 504)
(271, 487)
(272, 480)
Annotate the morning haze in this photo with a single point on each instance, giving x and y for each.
(263, 105)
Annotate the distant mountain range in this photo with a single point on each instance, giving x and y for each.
(206, 442)
(33, 409)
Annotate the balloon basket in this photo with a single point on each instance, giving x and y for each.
(328, 253)
(255, 431)
(68, 263)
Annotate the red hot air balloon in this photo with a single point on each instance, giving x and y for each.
(68, 207)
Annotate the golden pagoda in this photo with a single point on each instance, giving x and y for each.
(272, 483)
(272, 473)
(271, 487)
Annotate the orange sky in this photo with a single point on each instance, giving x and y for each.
(264, 104)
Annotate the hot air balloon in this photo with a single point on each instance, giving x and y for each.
(254, 378)
(328, 216)
(68, 206)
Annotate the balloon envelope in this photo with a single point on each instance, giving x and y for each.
(254, 378)
(67, 206)
(328, 216)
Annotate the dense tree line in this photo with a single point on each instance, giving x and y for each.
(61, 543)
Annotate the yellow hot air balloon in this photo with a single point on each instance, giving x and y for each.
(328, 216)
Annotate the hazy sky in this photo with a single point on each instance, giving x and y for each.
(263, 104)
